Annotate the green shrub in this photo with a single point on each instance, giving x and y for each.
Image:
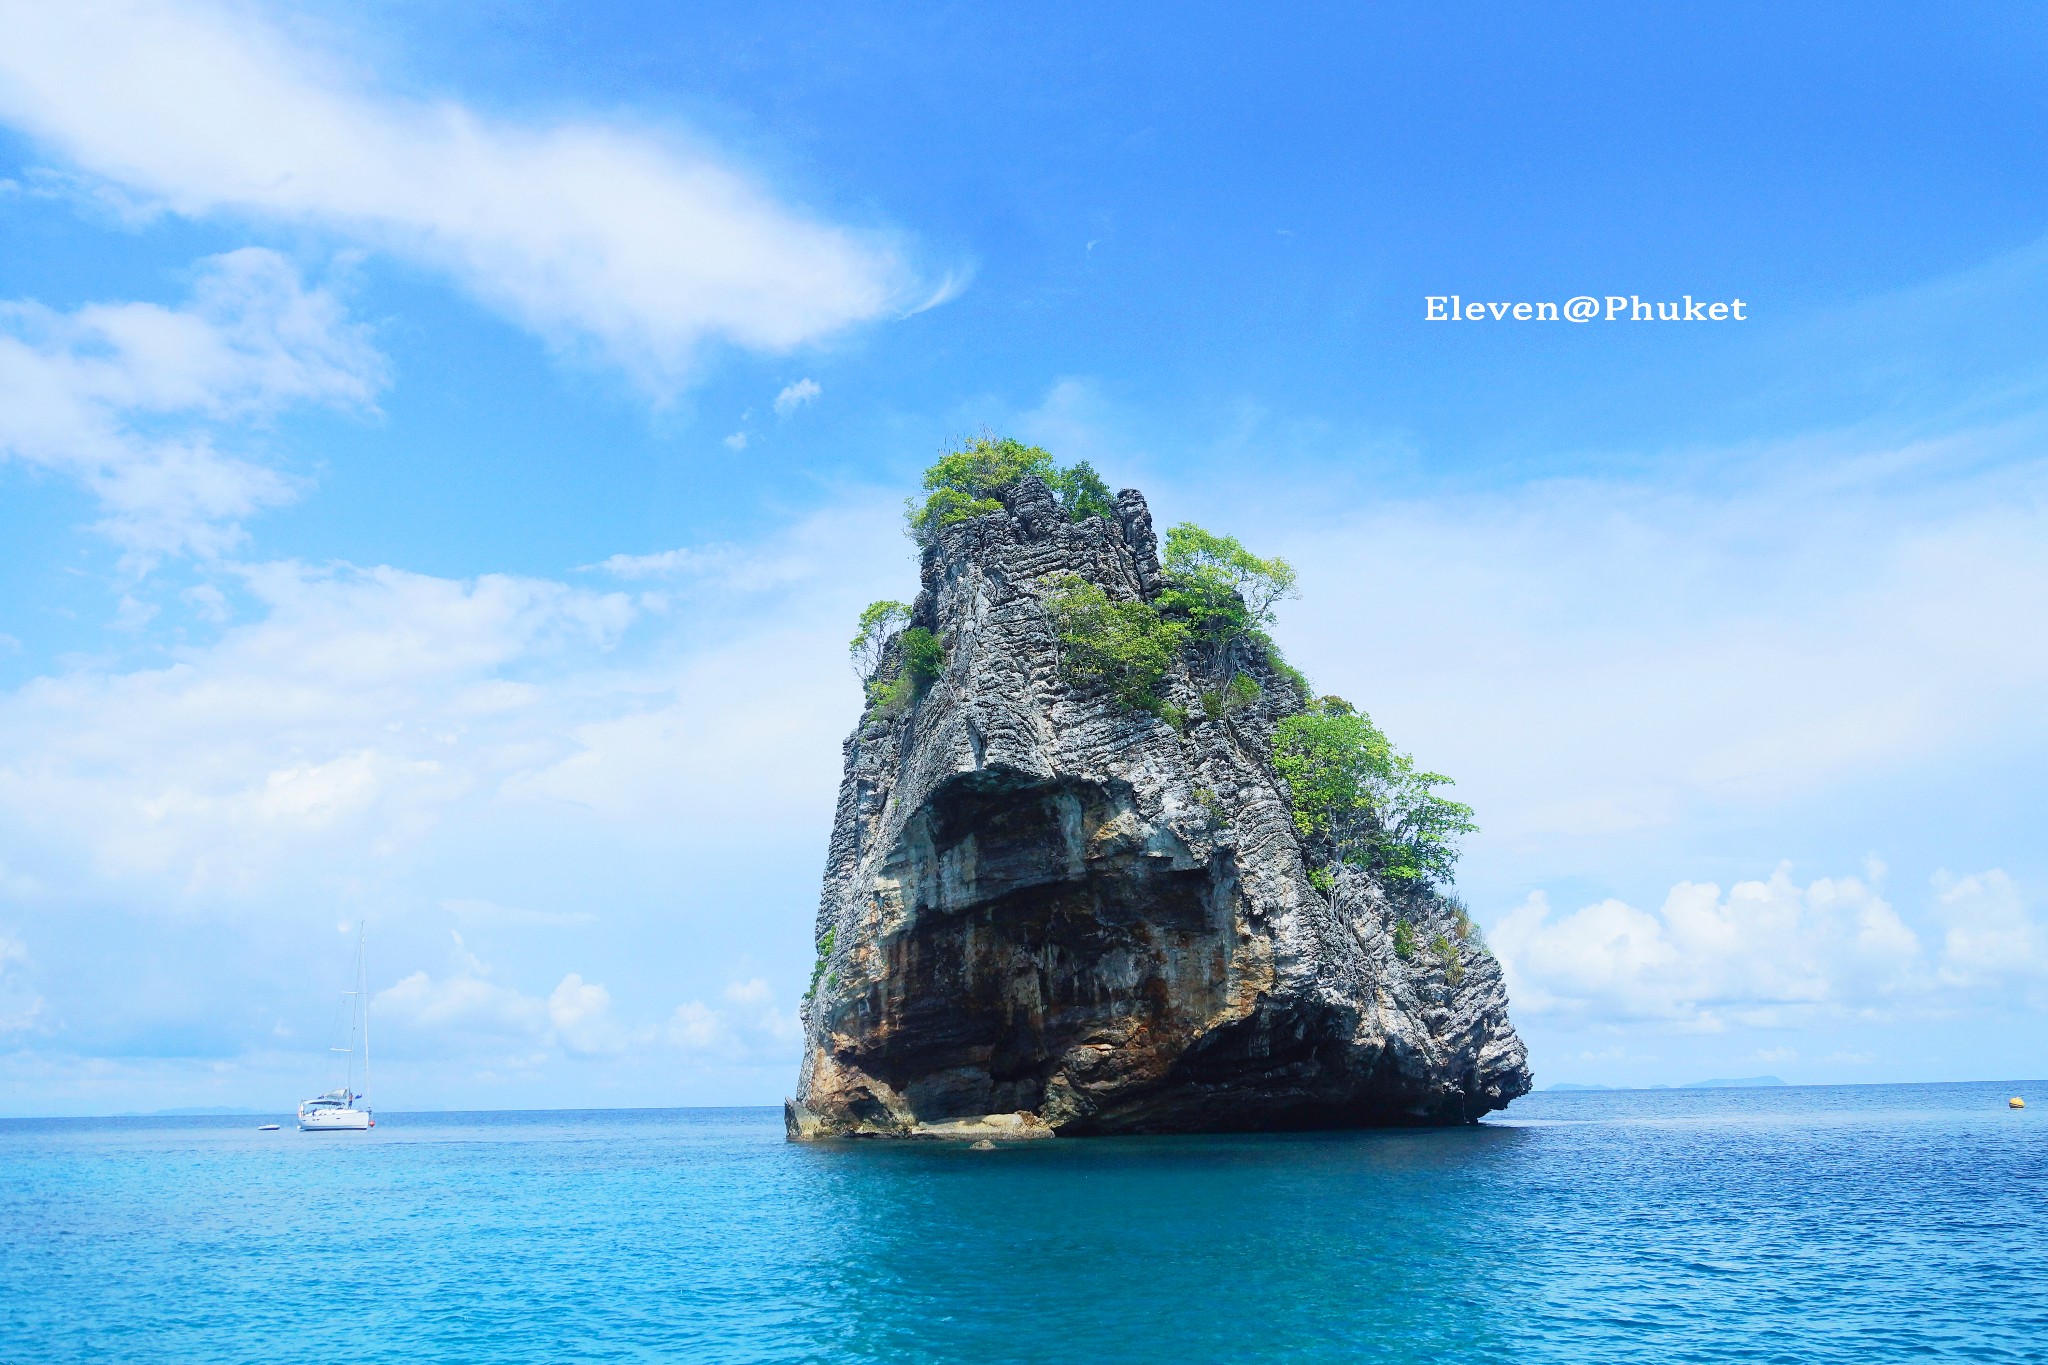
(1447, 958)
(967, 482)
(1322, 879)
(1295, 677)
(871, 636)
(1348, 785)
(824, 956)
(887, 700)
(1127, 646)
(1404, 939)
(924, 656)
(1234, 696)
(1464, 928)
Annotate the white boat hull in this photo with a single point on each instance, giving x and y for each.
(335, 1120)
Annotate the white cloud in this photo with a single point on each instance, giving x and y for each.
(1990, 938)
(132, 614)
(750, 1026)
(581, 1014)
(209, 603)
(736, 441)
(1766, 954)
(696, 1027)
(467, 1009)
(795, 396)
(719, 718)
(641, 246)
(753, 991)
(466, 1002)
(128, 398)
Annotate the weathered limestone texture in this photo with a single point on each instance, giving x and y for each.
(1047, 913)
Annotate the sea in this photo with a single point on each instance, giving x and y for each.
(1836, 1223)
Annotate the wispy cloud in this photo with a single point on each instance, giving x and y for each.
(687, 562)
(131, 399)
(467, 1010)
(865, 529)
(795, 396)
(468, 911)
(594, 235)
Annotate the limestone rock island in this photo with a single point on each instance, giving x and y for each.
(1102, 864)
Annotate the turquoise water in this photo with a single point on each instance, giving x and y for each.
(1805, 1224)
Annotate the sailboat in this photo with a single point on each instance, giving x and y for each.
(347, 1109)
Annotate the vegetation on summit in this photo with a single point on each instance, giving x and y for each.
(965, 483)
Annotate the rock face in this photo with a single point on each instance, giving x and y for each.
(1047, 913)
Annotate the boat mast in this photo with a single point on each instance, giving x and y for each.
(363, 998)
(354, 1001)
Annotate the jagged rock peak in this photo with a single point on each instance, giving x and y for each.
(1046, 911)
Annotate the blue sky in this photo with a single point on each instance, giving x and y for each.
(441, 454)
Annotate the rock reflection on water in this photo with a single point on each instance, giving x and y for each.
(1169, 1248)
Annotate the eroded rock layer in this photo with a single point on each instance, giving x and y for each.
(1047, 912)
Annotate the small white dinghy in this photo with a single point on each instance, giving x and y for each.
(346, 1109)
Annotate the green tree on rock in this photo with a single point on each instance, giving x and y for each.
(1081, 492)
(871, 636)
(1225, 592)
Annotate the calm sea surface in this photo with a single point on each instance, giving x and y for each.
(1863, 1223)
